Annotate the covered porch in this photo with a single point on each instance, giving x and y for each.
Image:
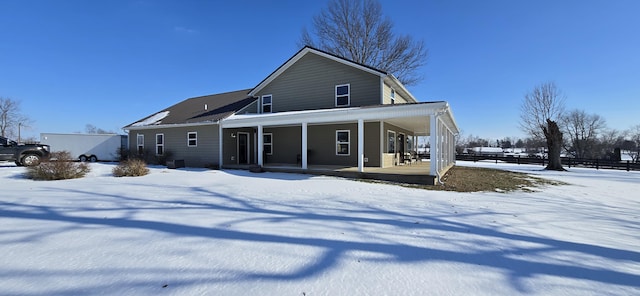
(339, 135)
(415, 173)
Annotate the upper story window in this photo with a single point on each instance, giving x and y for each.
(343, 95)
(392, 95)
(192, 139)
(266, 103)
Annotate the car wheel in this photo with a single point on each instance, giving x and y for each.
(93, 158)
(30, 160)
(82, 158)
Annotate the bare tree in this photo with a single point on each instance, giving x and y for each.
(11, 118)
(634, 135)
(356, 30)
(583, 130)
(541, 110)
(92, 129)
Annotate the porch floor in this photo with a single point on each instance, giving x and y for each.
(415, 173)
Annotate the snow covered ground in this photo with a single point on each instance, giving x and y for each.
(202, 232)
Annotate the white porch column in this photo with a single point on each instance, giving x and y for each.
(304, 146)
(260, 146)
(360, 145)
(433, 144)
(220, 154)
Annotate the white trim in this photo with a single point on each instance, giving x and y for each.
(268, 144)
(189, 139)
(395, 141)
(337, 115)
(220, 146)
(159, 145)
(262, 104)
(305, 157)
(348, 142)
(348, 95)
(360, 145)
(163, 126)
(138, 144)
(392, 95)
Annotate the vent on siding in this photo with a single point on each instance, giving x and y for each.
(205, 107)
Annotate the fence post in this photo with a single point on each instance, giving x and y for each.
(496, 160)
(569, 162)
(519, 160)
(628, 166)
(597, 164)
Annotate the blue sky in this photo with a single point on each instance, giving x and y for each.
(110, 63)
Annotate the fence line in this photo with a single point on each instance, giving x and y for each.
(569, 162)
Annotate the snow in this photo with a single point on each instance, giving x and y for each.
(205, 232)
(152, 120)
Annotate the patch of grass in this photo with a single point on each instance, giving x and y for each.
(472, 179)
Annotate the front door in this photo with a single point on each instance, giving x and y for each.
(243, 148)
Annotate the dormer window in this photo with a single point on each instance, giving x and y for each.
(266, 104)
(343, 95)
(393, 96)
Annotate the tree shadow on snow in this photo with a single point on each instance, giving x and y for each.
(512, 261)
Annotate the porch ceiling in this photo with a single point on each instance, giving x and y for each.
(413, 117)
(419, 125)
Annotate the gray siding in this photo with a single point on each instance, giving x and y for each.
(310, 84)
(322, 144)
(287, 144)
(175, 144)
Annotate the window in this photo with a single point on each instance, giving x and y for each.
(391, 144)
(267, 141)
(342, 142)
(192, 139)
(266, 104)
(159, 144)
(342, 95)
(393, 96)
(140, 143)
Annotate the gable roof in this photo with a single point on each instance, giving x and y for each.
(306, 50)
(389, 78)
(198, 110)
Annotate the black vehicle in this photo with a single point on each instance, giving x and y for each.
(22, 154)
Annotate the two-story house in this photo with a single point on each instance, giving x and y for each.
(315, 111)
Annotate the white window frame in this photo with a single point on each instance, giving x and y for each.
(392, 95)
(348, 95)
(140, 143)
(348, 143)
(158, 145)
(270, 104)
(265, 143)
(391, 139)
(189, 139)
